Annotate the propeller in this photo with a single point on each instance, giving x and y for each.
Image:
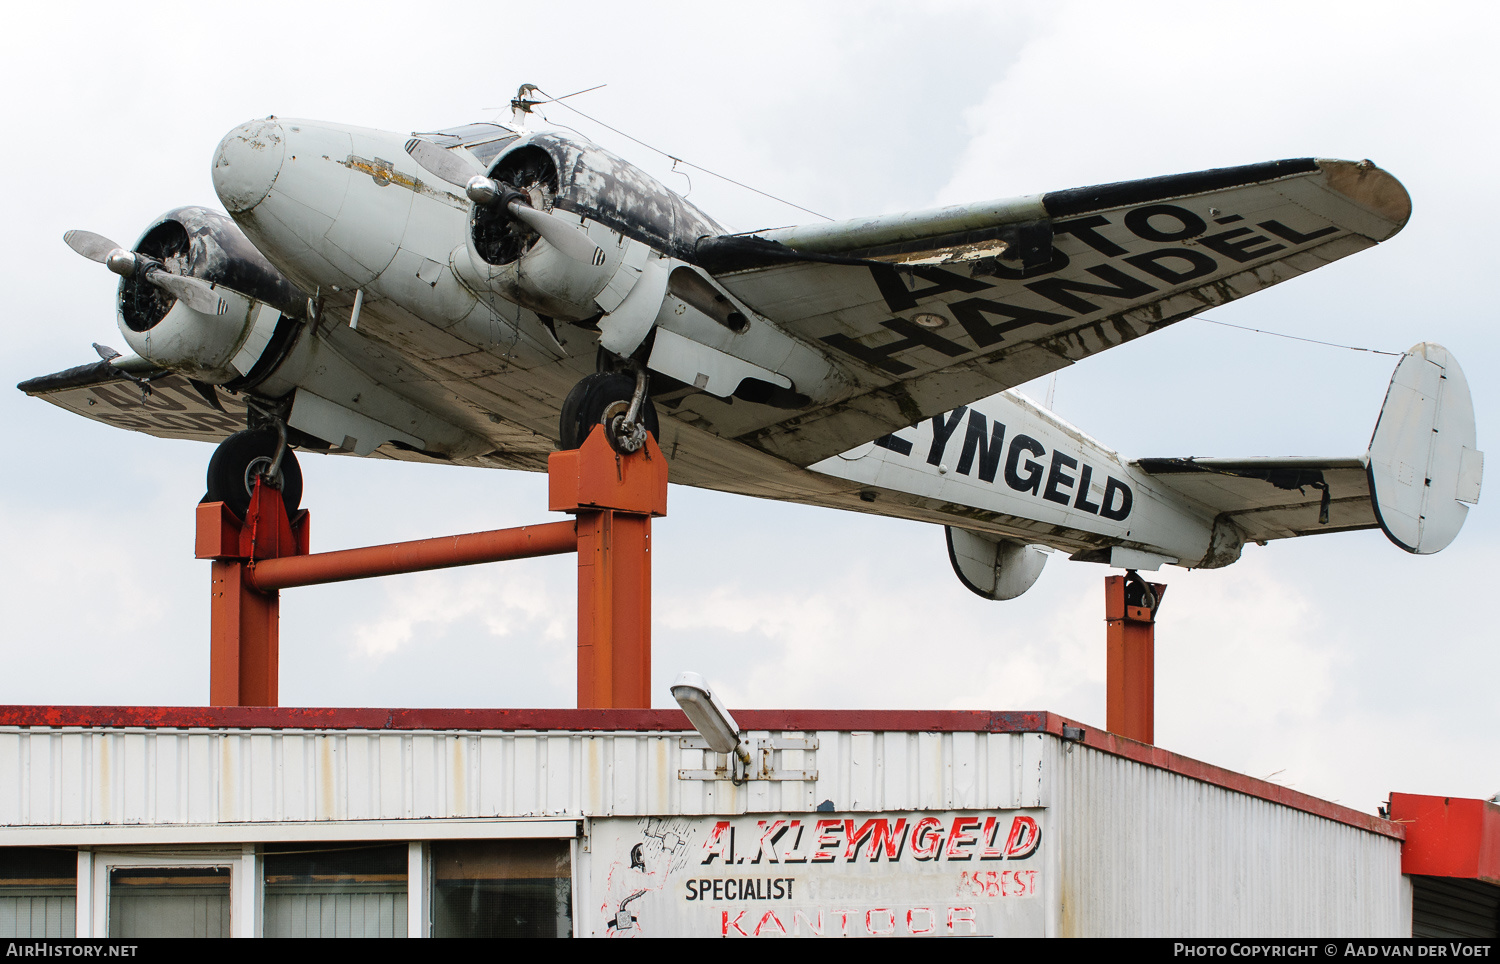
(562, 235)
(441, 163)
(196, 293)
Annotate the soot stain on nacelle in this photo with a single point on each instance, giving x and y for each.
(208, 245)
(143, 305)
(498, 238)
(606, 188)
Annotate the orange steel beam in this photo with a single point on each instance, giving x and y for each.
(614, 498)
(1130, 703)
(614, 610)
(245, 644)
(445, 552)
(244, 625)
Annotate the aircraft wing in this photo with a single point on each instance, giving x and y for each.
(928, 311)
(1271, 498)
(171, 408)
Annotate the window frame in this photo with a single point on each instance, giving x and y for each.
(245, 882)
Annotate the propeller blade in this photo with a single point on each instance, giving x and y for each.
(441, 163)
(567, 238)
(196, 294)
(95, 247)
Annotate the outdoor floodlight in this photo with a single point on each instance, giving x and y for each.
(709, 717)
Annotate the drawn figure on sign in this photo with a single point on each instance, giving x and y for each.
(667, 837)
(643, 869)
(623, 919)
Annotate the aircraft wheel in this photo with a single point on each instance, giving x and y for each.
(589, 401)
(239, 459)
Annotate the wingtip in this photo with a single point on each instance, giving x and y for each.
(1372, 188)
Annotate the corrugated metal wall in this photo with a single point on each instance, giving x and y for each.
(1131, 849)
(98, 776)
(1147, 852)
(37, 916)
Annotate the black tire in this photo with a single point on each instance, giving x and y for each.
(584, 407)
(231, 478)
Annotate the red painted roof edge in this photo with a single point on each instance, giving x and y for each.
(952, 721)
(298, 717)
(1449, 836)
(1228, 779)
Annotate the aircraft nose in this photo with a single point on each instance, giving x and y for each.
(247, 162)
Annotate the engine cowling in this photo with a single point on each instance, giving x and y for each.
(506, 258)
(260, 307)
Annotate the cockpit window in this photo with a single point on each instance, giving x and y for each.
(485, 141)
(467, 134)
(489, 150)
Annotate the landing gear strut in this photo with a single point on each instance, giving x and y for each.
(617, 401)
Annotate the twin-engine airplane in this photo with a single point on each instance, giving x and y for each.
(442, 297)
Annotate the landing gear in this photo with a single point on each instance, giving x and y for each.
(617, 401)
(245, 456)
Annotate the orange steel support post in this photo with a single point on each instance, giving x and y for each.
(244, 650)
(614, 498)
(1130, 703)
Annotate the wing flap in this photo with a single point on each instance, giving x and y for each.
(1272, 498)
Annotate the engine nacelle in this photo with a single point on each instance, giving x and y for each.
(507, 259)
(616, 201)
(261, 306)
(544, 279)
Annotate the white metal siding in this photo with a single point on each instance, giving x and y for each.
(1149, 852)
(1132, 848)
(51, 916)
(106, 776)
(335, 915)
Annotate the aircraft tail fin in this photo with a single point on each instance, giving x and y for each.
(1425, 469)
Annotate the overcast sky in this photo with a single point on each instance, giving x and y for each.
(1341, 665)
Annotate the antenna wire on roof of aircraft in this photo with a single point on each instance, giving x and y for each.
(677, 160)
(1330, 344)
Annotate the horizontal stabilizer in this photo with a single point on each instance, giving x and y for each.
(1421, 468)
(1274, 498)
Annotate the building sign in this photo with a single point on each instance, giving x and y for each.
(911, 873)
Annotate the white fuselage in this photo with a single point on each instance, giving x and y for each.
(346, 214)
(1007, 461)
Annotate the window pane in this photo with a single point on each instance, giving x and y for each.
(502, 888)
(466, 134)
(38, 892)
(335, 890)
(169, 902)
(489, 150)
